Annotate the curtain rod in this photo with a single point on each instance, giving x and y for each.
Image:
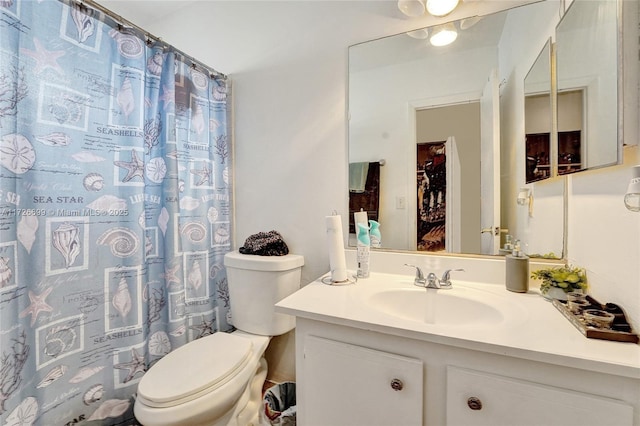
(119, 19)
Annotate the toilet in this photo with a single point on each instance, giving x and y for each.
(217, 380)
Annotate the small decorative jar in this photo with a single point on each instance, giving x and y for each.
(576, 306)
(576, 295)
(598, 318)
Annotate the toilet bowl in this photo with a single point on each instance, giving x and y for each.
(217, 379)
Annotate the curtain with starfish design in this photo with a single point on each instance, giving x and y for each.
(115, 211)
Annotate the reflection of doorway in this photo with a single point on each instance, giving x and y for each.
(459, 122)
(431, 196)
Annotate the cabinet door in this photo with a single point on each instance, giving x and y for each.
(477, 398)
(350, 385)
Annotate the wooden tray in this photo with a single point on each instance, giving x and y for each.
(592, 332)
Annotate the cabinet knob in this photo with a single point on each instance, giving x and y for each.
(474, 403)
(397, 385)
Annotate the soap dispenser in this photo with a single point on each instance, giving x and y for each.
(517, 270)
(507, 248)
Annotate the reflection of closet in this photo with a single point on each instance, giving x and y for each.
(432, 192)
(538, 146)
(569, 152)
(369, 200)
(571, 130)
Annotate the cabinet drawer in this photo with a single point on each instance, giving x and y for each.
(351, 385)
(479, 398)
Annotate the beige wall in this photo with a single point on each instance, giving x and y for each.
(537, 114)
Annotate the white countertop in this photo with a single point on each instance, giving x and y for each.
(540, 333)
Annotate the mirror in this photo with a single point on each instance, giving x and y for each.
(538, 216)
(538, 119)
(405, 95)
(395, 81)
(588, 116)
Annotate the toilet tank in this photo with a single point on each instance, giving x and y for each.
(256, 284)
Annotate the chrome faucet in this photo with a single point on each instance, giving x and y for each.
(432, 281)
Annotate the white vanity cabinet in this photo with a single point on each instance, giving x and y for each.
(351, 385)
(366, 356)
(478, 398)
(345, 376)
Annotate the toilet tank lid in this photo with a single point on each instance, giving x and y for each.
(235, 259)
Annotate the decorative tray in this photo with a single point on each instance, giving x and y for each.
(620, 330)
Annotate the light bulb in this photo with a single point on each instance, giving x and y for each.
(441, 7)
(444, 35)
(632, 201)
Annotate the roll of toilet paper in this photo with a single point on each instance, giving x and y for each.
(360, 217)
(337, 261)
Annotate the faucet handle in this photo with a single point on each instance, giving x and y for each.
(419, 280)
(445, 282)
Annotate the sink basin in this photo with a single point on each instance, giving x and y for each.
(454, 307)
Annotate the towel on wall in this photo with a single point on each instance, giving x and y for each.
(358, 176)
(265, 244)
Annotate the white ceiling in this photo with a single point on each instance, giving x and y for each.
(258, 33)
(144, 12)
(402, 48)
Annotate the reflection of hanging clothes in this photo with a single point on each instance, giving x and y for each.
(438, 159)
(432, 183)
(436, 174)
(424, 198)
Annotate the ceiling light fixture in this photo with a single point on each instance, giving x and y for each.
(411, 7)
(467, 23)
(441, 7)
(420, 34)
(444, 35)
(632, 197)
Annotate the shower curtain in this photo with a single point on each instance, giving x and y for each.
(115, 210)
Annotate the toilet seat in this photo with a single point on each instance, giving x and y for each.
(213, 406)
(193, 370)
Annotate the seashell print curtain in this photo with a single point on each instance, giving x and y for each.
(115, 211)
